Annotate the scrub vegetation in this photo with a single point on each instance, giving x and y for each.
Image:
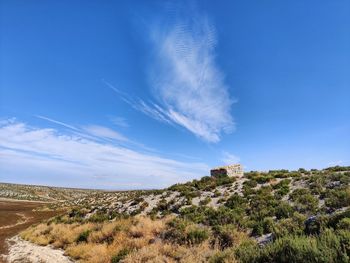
(274, 216)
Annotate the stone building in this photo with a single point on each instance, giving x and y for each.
(234, 170)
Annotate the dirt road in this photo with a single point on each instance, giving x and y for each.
(16, 216)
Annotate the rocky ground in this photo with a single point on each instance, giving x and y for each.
(24, 251)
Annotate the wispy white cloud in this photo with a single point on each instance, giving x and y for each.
(104, 132)
(229, 158)
(81, 161)
(89, 131)
(187, 82)
(56, 122)
(120, 121)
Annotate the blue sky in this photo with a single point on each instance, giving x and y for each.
(144, 94)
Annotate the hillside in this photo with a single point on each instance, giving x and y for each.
(320, 187)
(41, 193)
(274, 216)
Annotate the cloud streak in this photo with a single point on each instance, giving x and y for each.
(104, 132)
(188, 86)
(82, 162)
(187, 82)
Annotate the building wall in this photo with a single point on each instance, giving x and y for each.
(235, 170)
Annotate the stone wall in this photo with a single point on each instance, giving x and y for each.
(235, 170)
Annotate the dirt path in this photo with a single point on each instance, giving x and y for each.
(16, 216)
(24, 251)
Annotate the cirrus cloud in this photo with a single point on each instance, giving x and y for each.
(188, 86)
(81, 161)
(187, 81)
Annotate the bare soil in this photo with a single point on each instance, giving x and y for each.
(16, 216)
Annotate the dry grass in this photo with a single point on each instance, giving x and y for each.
(139, 236)
(171, 253)
(60, 235)
(103, 241)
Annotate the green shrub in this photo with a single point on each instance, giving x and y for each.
(304, 201)
(236, 202)
(338, 168)
(213, 217)
(223, 257)
(247, 252)
(250, 183)
(181, 231)
(83, 236)
(344, 224)
(205, 201)
(283, 210)
(224, 216)
(257, 228)
(227, 236)
(330, 247)
(289, 226)
(338, 198)
(262, 204)
(99, 217)
(261, 227)
(176, 231)
(316, 225)
(336, 218)
(217, 193)
(282, 188)
(76, 213)
(197, 235)
(120, 255)
(263, 179)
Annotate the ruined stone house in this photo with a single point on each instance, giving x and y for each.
(234, 170)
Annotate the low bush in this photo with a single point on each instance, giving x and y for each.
(181, 231)
(344, 224)
(205, 201)
(304, 201)
(293, 225)
(250, 183)
(283, 210)
(328, 247)
(338, 198)
(83, 236)
(197, 235)
(229, 236)
(99, 217)
(120, 255)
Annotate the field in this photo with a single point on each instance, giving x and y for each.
(16, 216)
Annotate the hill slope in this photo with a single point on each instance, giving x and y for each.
(41, 193)
(275, 216)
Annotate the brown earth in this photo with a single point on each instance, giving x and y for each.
(16, 216)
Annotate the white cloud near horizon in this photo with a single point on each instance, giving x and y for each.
(78, 161)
